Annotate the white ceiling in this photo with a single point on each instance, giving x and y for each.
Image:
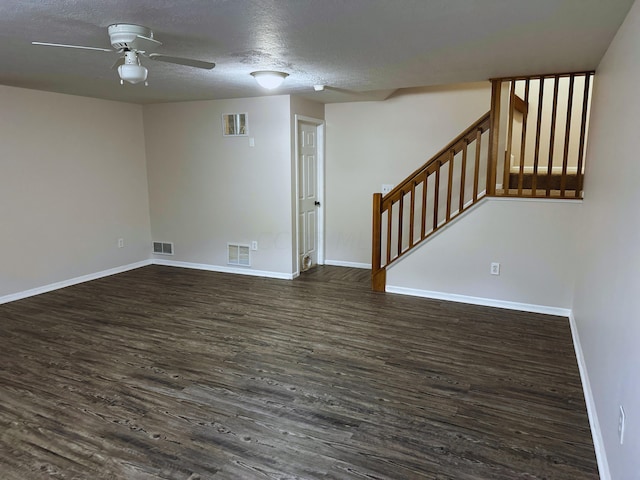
(360, 49)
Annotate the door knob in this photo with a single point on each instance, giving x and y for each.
(316, 203)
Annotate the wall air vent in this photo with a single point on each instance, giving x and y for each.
(238, 254)
(163, 248)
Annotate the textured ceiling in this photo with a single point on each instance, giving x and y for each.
(360, 49)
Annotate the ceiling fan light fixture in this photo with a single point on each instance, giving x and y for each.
(132, 73)
(134, 41)
(269, 79)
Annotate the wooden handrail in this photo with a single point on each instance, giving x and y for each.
(455, 145)
(544, 75)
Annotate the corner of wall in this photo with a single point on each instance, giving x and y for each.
(596, 432)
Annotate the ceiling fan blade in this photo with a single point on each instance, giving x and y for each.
(79, 47)
(182, 61)
(146, 44)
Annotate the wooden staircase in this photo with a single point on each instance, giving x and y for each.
(543, 161)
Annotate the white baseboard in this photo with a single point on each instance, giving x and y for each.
(486, 302)
(596, 433)
(73, 281)
(340, 263)
(132, 266)
(223, 269)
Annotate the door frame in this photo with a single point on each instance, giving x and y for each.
(320, 128)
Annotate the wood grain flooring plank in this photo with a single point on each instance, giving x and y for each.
(167, 373)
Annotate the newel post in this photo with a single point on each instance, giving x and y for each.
(378, 273)
(494, 136)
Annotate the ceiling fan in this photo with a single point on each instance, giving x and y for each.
(134, 41)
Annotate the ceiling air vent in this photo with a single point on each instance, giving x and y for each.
(163, 248)
(238, 254)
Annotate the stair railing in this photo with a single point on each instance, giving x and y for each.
(544, 140)
(527, 145)
(449, 183)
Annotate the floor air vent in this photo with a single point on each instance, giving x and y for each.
(163, 248)
(238, 255)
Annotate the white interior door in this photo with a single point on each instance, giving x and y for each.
(308, 197)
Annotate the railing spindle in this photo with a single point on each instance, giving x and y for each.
(583, 132)
(436, 195)
(412, 214)
(523, 138)
(536, 158)
(423, 226)
(389, 224)
(476, 172)
(450, 185)
(400, 221)
(567, 134)
(552, 139)
(507, 156)
(463, 174)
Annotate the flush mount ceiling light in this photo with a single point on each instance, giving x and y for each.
(131, 71)
(269, 79)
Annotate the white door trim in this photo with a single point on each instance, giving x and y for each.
(321, 198)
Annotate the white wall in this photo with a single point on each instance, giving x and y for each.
(534, 241)
(206, 190)
(302, 106)
(72, 182)
(371, 143)
(607, 301)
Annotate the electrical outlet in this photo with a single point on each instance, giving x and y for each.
(495, 268)
(386, 188)
(121, 243)
(254, 245)
(621, 418)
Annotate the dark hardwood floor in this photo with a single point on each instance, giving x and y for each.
(166, 373)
